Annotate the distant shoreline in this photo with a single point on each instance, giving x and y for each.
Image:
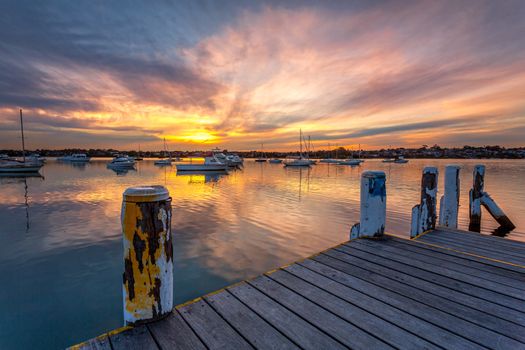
(434, 152)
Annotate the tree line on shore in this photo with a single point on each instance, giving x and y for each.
(465, 152)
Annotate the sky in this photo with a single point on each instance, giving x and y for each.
(235, 74)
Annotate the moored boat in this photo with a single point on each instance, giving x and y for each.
(275, 161)
(75, 158)
(20, 166)
(299, 161)
(121, 162)
(349, 161)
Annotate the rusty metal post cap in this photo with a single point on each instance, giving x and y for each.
(140, 194)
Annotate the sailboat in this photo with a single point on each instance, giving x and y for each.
(261, 159)
(138, 157)
(298, 161)
(164, 161)
(24, 165)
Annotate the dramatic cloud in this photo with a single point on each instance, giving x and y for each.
(375, 73)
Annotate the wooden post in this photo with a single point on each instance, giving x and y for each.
(449, 206)
(496, 212)
(373, 206)
(424, 215)
(475, 198)
(148, 254)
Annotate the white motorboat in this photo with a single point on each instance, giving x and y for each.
(234, 160)
(37, 158)
(275, 161)
(389, 160)
(349, 161)
(231, 160)
(20, 166)
(210, 164)
(400, 160)
(75, 158)
(122, 162)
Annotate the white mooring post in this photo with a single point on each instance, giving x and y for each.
(449, 203)
(475, 195)
(148, 254)
(373, 206)
(424, 214)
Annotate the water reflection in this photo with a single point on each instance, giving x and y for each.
(202, 176)
(122, 171)
(226, 227)
(21, 178)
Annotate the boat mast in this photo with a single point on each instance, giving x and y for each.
(300, 143)
(23, 141)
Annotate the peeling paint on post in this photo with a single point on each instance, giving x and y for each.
(414, 224)
(148, 254)
(475, 198)
(449, 205)
(373, 206)
(496, 212)
(425, 214)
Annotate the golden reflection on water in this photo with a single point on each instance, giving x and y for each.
(226, 228)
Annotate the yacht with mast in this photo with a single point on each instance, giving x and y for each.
(262, 157)
(301, 160)
(24, 165)
(164, 161)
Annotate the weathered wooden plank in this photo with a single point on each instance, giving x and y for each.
(253, 328)
(173, 333)
(135, 338)
(386, 331)
(503, 296)
(460, 260)
(402, 319)
(516, 271)
(476, 241)
(98, 343)
(472, 249)
(338, 328)
(440, 336)
(387, 291)
(211, 328)
(442, 268)
(452, 263)
(294, 327)
(502, 240)
(455, 302)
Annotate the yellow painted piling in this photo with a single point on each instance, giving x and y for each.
(148, 254)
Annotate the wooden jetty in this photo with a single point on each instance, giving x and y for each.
(443, 289)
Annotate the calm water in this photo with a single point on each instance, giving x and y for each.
(60, 240)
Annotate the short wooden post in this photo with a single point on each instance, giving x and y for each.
(449, 205)
(475, 198)
(424, 215)
(148, 254)
(496, 212)
(373, 206)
